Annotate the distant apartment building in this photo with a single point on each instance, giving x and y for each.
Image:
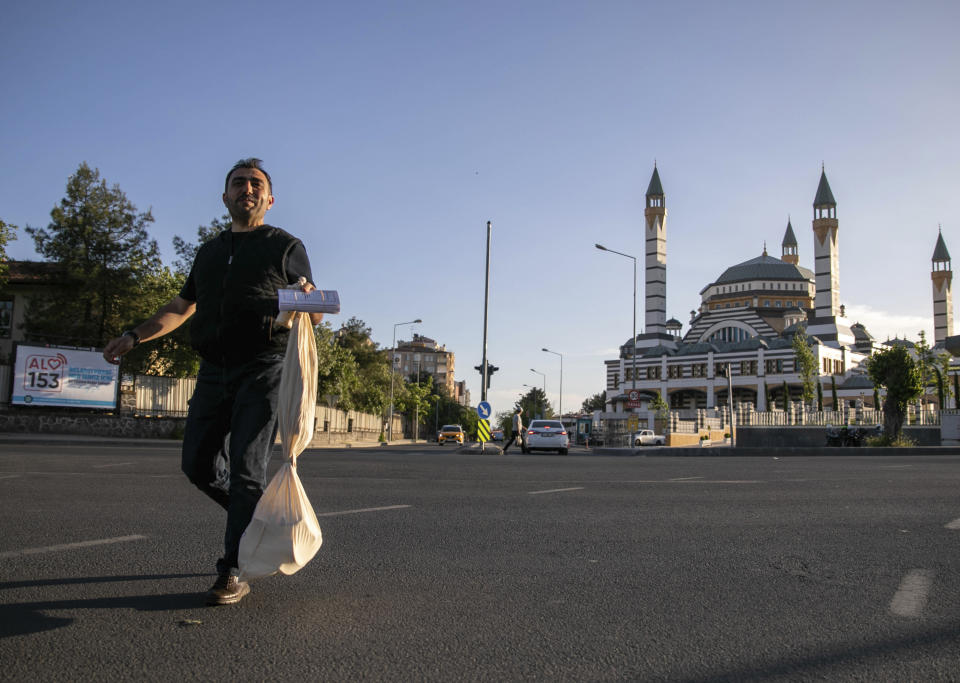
(460, 393)
(425, 356)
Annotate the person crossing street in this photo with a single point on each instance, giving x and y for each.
(517, 429)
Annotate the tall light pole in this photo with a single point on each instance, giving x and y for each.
(556, 353)
(416, 407)
(544, 391)
(393, 353)
(633, 339)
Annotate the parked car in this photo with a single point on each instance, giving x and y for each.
(450, 434)
(547, 435)
(496, 435)
(646, 437)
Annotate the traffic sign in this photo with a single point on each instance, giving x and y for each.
(483, 430)
(633, 399)
(484, 410)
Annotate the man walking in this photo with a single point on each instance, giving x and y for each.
(231, 292)
(517, 428)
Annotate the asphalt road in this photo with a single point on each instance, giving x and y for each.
(439, 566)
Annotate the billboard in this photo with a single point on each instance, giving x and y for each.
(59, 376)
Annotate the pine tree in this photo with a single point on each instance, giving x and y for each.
(111, 275)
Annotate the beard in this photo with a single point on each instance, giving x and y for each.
(247, 213)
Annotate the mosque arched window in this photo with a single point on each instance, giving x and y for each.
(729, 334)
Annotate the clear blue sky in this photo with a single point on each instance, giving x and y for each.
(395, 130)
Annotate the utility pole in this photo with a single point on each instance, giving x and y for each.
(486, 302)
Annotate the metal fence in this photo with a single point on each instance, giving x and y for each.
(162, 396)
(613, 429)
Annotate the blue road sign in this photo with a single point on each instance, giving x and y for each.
(484, 410)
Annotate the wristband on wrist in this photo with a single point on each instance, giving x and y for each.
(133, 335)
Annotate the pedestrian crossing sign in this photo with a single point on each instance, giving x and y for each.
(483, 430)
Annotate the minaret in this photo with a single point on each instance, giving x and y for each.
(942, 276)
(826, 251)
(789, 246)
(655, 215)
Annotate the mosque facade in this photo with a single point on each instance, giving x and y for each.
(741, 336)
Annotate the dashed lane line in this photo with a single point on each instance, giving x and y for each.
(572, 488)
(911, 597)
(69, 546)
(360, 510)
(955, 524)
(684, 478)
(9, 476)
(114, 464)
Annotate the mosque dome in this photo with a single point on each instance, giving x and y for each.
(763, 267)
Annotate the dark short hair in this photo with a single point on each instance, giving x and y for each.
(251, 162)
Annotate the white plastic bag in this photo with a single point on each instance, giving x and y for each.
(284, 533)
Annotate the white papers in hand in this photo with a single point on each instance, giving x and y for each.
(315, 301)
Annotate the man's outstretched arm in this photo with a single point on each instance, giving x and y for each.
(170, 316)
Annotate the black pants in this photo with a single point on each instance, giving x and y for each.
(242, 402)
(516, 437)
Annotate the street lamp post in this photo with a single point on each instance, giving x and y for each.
(633, 341)
(393, 353)
(416, 407)
(556, 353)
(544, 390)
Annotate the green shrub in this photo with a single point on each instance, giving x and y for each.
(884, 442)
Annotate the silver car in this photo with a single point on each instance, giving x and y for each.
(547, 435)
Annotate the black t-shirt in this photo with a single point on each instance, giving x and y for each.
(297, 265)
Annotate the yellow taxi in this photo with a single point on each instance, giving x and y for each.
(450, 434)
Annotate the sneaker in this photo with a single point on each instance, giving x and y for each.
(227, 590)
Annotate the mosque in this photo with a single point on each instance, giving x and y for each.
(746, 322)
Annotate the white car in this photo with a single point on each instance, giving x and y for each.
(547, 435)
(646, 437)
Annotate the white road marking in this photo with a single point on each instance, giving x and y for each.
(572, 488)
(684, 478)
(9, 476)
(691, 481)
(354, 512)
(69, 546)
(911, 597)
(116, 464)
(955, 524)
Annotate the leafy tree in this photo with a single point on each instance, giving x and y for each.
(925, 362)
(503, 420)
(170, 355)
(112, 273)
(806, 365)
(956, 390)
(819, 397)
(415, 400)
(8, 233)
(534, 402)
(900, 375)
(833, 393)
(337, 370)
(352, 367)
(594, 403)
(659, 407)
